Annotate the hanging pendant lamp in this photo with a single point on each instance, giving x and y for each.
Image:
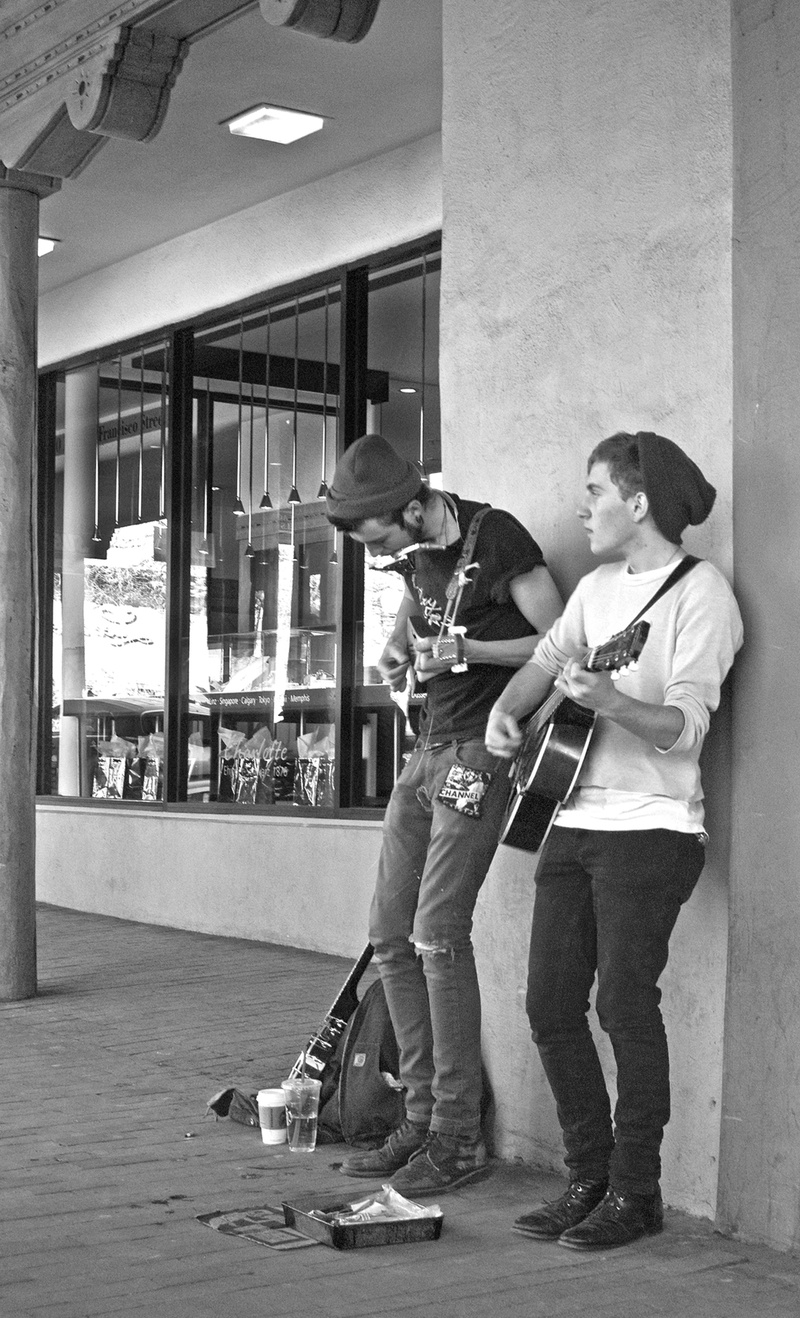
(294, 497)
(97, 538)
(250, 551)
(266, 502)
(119, 443)
(163, 439)
(323, 489)
(421, 462)
(205, 546)
(238, 507)
(141, 435)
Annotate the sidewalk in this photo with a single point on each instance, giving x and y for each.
(108, 1160)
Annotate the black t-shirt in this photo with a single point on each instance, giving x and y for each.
(458, 704)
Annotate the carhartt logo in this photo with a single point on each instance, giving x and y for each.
(359, 1059)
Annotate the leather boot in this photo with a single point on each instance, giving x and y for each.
(618, 1220)
(549, 1220)
(393, 1153)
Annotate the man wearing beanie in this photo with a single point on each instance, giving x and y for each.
(443, 819)
(628, 845)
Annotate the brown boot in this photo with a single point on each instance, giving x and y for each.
(393, 1154)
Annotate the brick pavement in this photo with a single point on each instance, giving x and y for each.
(108, 1160)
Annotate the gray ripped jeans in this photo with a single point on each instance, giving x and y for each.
(433, 861)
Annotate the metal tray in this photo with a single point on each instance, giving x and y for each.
(360, 1235)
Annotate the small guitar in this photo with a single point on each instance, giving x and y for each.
(554, 746)
(321, 1046)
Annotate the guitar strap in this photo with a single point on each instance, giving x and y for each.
(686, 564)
(453, 593)
(456, 584)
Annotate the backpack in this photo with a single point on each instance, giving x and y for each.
(361, 1100)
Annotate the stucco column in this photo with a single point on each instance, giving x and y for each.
(19, 219)
(80, 443)
(760, 1150)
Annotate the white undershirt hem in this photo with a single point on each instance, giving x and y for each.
(603, 809)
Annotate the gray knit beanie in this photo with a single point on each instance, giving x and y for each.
(678, 493)
(371, 480)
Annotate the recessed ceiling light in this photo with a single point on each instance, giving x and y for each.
(407, 389)
(46, 245)
(274, 123)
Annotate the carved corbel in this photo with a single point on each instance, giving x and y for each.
(42, 185)
(124, 92)
(338, 20)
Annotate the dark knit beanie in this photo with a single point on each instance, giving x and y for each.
(677, 491)
(371, 480)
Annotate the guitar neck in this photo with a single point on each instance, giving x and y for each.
(346, 1001)
(622, 650)
(546, 710)
(319, 1049)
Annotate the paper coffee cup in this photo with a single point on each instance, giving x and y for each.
(272, 1115)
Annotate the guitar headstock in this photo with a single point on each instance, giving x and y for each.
(620, 651)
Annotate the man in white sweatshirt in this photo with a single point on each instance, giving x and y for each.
(628, 846)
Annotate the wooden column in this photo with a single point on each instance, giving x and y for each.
(19, 218)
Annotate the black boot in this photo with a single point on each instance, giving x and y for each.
(549, 1220)
(618, 1220)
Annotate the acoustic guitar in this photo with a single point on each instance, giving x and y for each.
(319, 1050)
(554, 745)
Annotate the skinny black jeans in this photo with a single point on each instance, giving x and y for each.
(606, 904)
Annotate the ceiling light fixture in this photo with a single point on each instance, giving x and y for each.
(406, 389)
(46, 245)
(274, 123)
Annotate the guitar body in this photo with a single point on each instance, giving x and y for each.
(545, 772)
(554, 747)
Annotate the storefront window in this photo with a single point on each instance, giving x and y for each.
(200, 653)
(263, 658)
(403, 344)
(110, 580)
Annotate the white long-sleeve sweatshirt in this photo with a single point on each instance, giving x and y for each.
(695, 631)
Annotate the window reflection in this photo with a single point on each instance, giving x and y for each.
(404, 349)
(263, 637)
(110, 584)
(253, 627)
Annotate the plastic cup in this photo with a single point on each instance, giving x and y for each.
(272, 1115)
(301, 1097)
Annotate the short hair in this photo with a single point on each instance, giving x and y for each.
(395, 517)
(621, 454)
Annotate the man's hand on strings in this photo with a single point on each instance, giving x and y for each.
(393, 665)
(595, 691)
(425, 666)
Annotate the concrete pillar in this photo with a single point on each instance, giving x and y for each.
(19, 221)
(760, 1155)
(586, 289)
(80, 445)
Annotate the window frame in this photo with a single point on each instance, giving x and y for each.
(353, 279)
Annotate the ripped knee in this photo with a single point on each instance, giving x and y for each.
(441, 948)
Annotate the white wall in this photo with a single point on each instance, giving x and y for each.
(586, 288)
(299, 882)
(381, 203)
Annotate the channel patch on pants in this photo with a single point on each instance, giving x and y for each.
(464, 790)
